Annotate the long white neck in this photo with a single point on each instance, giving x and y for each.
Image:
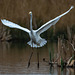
(31, 22)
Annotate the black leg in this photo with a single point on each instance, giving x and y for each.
(38, 60)
(30, 59)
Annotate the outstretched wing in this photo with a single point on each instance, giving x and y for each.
(13, 25)
(50, 23)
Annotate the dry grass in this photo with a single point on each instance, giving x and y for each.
(45, 10)
(66, 48)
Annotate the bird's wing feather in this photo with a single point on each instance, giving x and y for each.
(13, 25)
(47, 26)
(50, 23)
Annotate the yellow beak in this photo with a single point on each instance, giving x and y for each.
(30, 12)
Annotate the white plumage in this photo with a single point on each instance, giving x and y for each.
(36, 40)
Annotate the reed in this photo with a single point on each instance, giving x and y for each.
(50, 57)
(59, 47)
(66, 49)
(45, 10)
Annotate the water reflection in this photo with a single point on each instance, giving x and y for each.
(14, 59)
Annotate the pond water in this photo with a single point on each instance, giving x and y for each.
(14, 59)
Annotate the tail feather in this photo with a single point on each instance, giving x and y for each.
(42, 43)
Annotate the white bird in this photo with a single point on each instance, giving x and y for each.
(36, 40)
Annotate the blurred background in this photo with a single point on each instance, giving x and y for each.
(14, 56)
(43, 10)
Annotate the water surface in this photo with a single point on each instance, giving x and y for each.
(14, 59)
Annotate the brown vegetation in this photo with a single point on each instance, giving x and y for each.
(66, 50)
(43, 10)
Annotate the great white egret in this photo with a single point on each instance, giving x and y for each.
(36, 40)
